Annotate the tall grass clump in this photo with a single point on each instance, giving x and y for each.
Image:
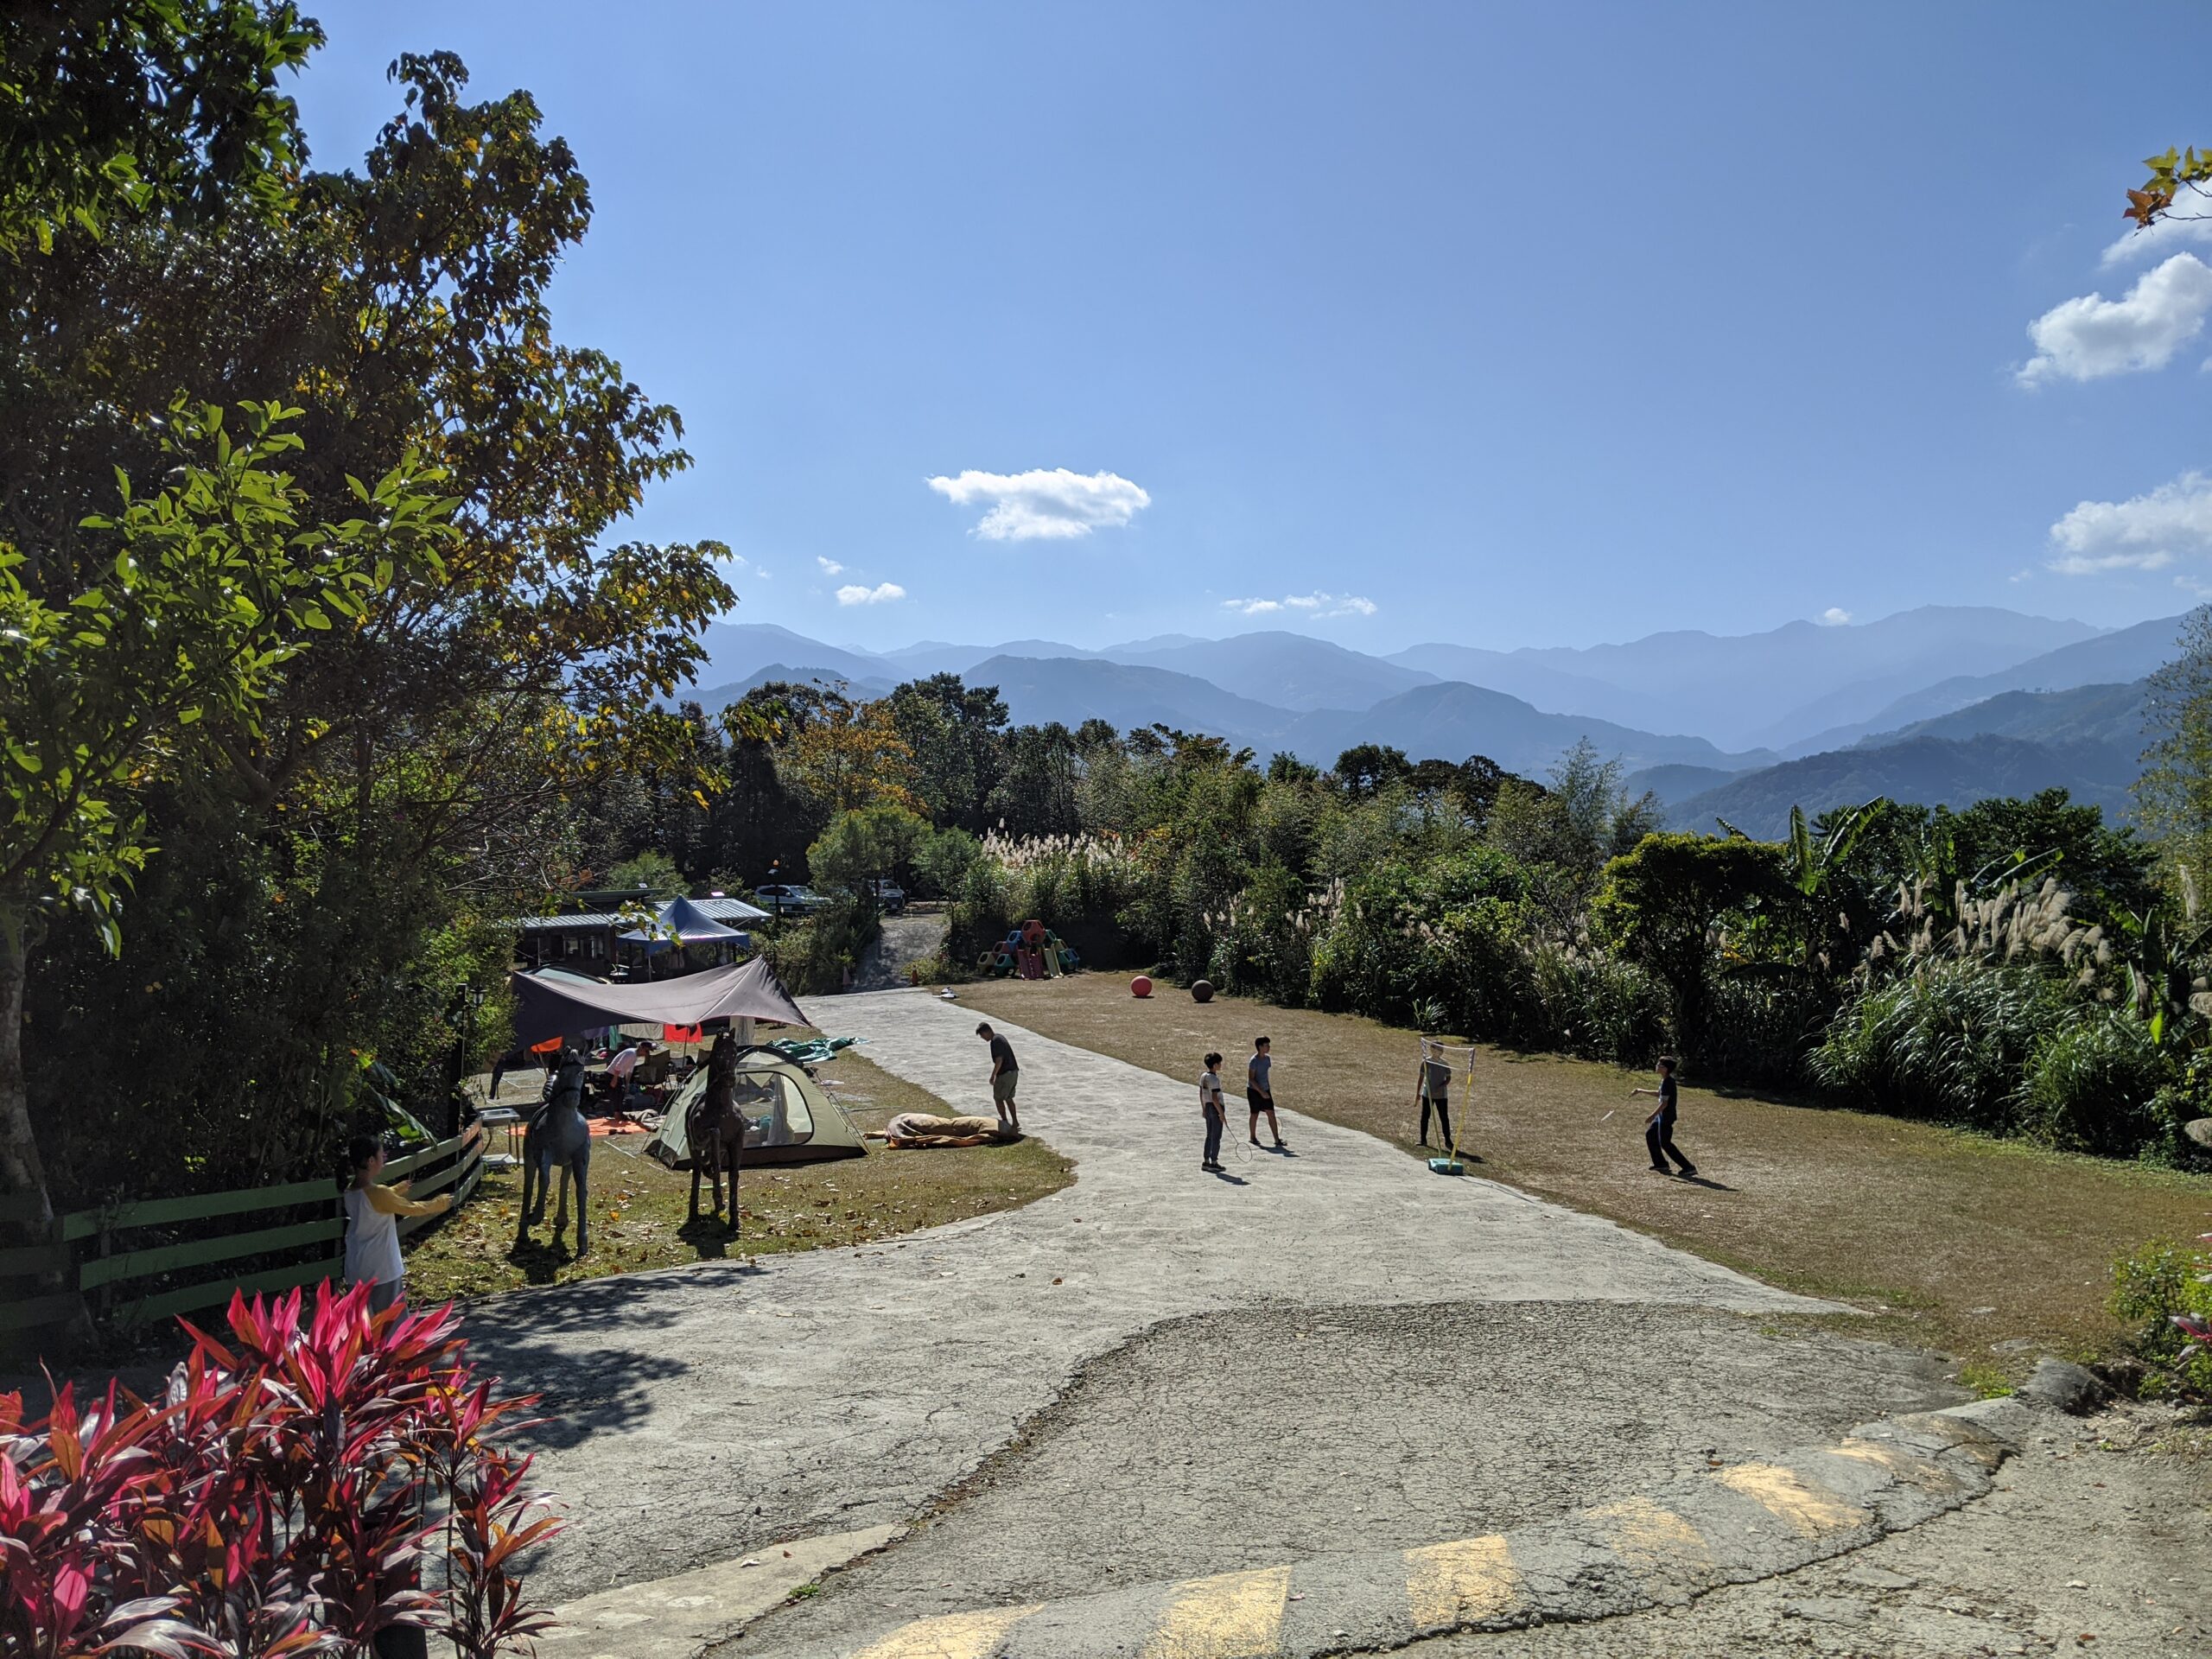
(1947, 1044)
(2094, 1084)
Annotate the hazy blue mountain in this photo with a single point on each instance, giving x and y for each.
(737, 652)
(1518, 675)
(723, 696)
(1139, 647)
(935, 657)
(1450, 722)
(1930, 770)
(2093, 714)
(2118, 657)
(1676, 782)
(1291, 671)
(1071, 689)
(1770, 689)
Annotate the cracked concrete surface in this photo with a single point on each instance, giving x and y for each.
(697, 1414)
(1237, 1440)
(2096, 1541)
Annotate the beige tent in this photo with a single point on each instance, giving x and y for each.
(789, 1118)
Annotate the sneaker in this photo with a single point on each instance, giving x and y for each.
(1689, 1169)
(1661, 1169)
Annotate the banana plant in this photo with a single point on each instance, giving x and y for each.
(2166, 980)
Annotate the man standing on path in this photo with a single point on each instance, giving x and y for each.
(1259, 1090)
(1659, 1128)
(1006, 1076)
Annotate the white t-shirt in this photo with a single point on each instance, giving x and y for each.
(622, 1065)
(1210, 1091)
(372, 1242)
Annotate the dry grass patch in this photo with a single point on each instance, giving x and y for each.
(640, 1209)
(1989, 1250)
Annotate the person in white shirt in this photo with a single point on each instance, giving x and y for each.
(373, 1214)
(1211, 1104)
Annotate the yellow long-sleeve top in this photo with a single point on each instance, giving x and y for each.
(372, 1215)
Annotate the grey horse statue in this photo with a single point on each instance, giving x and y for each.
(714, 1129)
(558, 1135)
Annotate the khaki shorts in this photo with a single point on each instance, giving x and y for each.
(1003, 1085)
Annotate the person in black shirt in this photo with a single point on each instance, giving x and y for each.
(1006, 1076)
(1659, 1128)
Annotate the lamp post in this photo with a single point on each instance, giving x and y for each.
(776, 881)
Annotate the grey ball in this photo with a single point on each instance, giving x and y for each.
(1201, 990)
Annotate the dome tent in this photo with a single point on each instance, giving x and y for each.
(789, 1118)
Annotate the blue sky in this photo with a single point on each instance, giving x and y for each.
(1504, 324)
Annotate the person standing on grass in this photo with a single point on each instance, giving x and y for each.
(1215, 1111)
(1006, 1076)
(373, 1214)
(1259, 1090)
(1435, 1091)
(1659, 1128)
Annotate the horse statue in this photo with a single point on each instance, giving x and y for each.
(557, 1134)
(714, 1128)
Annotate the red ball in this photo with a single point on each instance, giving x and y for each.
(1141, 986)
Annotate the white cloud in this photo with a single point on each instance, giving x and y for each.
(1314, 605)
(1834, 617)
(830, 567)
(2088, 338)
(882, 594)
(2147, 532)
(1053, 505)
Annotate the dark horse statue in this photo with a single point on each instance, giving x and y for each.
(558, 1135)
(714, 1129)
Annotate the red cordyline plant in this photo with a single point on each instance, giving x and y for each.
(286, 1498)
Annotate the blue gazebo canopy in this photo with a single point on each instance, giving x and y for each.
(681, 922)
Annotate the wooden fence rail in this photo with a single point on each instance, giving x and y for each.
(92, 1259)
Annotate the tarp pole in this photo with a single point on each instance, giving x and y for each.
(745, 1031)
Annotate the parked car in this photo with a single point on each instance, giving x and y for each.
(788, 899)
(890, 896)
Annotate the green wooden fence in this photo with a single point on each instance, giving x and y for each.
(102, 1258)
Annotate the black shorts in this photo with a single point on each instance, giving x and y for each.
(1258, 1102)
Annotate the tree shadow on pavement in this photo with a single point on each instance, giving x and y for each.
(590, 1390)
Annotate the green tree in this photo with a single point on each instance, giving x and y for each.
(419, 765)
(954, 732)
(1662, 905)
(1036, 794)
(652, 870)
(2174, 795)
(867, 844)
(1365, 770)
(122, 107)
(207, 591)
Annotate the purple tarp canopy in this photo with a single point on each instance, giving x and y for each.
(547, 1007)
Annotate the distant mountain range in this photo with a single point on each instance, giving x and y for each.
(2088, 741)
(1940, 704)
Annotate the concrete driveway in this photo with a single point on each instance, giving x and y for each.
(702, 1413)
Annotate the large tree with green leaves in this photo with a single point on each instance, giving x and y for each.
(120, 108)
(1661, 904)
(414, 763)
(203, 593)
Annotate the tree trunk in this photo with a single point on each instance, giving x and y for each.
(21, 1170)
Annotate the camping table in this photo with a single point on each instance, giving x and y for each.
(507, 1118)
